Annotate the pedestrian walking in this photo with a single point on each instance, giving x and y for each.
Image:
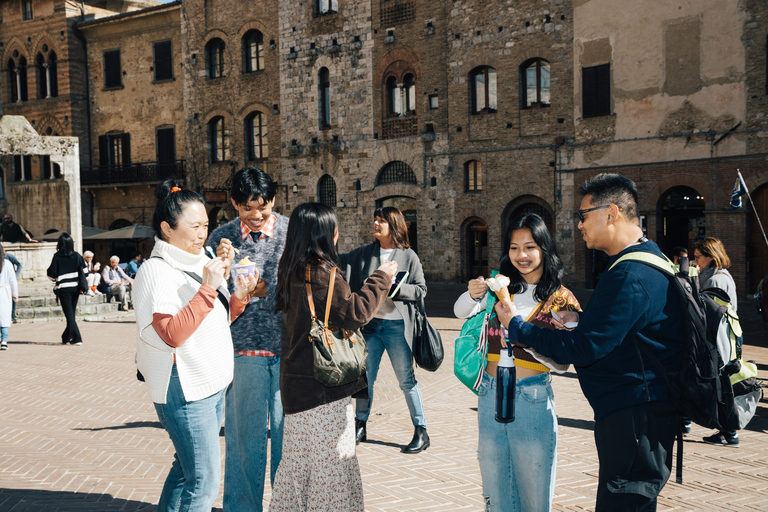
(518, 459)
(392, 327)
(17, 270)
(66, 268)
(319, 468)
(183, 346)
(633, 303)
(713, 261)
(254, 410)
(9, 294)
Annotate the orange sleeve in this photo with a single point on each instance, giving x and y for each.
(236, 307)
(176, 329)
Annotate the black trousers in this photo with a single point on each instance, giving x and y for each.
(68, 300)
(634, 446)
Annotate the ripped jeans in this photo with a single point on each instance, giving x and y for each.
(518, 459)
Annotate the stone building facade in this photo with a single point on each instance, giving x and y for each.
(463, 114)
(45, 79)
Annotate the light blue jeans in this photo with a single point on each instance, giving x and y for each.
(389, 335)
(254, 413)
(193, 482)
(518, 459)
(4, 334)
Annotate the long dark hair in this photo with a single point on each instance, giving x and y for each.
(552, 277)
(309, 241)
(171, 199)
(398, 229)
(65, 246)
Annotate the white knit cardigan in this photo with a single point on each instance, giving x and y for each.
(205, 361)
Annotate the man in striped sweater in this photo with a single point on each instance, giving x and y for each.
(253, 399)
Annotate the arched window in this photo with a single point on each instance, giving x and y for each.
(483, 83)
(23, 94)
(253, 51)
(394, 103)
(214, 56)
(396, 172)
(216, 139)
(535, 83)
(13, 81)
(42, 77)
(326, 191)
(409, 93)
(473, 176)
(53, 75)
(324, 98)
(256, 136)
(327, 6)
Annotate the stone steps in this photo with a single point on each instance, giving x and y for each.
(37, 303)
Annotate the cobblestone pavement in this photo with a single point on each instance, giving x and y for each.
(78, 433)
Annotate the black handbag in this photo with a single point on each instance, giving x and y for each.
(339, 354)
(427, 344)
(82, 280)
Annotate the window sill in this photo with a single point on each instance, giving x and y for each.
(535, 105)
(473, 191)
(164, 80)
(114, 88)
(253, 72)
(210, 79)
(484, 111)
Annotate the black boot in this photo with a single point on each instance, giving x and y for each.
(360, 434)
(419, 442)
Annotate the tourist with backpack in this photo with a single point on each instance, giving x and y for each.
(633, 306)
(709, 254)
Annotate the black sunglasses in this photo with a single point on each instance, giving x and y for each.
(580, 213)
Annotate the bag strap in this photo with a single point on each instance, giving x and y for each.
(199, 279)
(663, 264)
(328, 299)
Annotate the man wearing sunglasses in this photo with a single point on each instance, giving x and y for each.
(635, 423)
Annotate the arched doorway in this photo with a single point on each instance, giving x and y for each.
(476, 249)
(758, 250)
(220, 216)
(123, 249)
(680, 212)
(526, 204)
(408, 206)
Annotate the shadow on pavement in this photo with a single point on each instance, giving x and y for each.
(13, 500)
(574, 423)
(132, 424)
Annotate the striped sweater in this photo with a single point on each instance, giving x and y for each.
(64, 270)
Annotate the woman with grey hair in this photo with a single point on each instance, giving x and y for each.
(92, 273)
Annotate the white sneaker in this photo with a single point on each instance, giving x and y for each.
(90, 292)
(4, 346)
(98, 292)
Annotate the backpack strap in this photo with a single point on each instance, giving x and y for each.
(663, 264)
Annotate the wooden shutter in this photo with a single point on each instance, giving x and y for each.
(126, 143)
(112, 72)
(596, 90)
(166, 145)
(163, 60)
(103, 151)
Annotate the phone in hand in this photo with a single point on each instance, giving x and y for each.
(396, 282)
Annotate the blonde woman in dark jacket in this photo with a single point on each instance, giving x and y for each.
(319, 469)
(392, 327)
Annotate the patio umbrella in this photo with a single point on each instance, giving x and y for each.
(87, 231)
(133, 232)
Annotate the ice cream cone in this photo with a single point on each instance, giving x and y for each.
(499, 285)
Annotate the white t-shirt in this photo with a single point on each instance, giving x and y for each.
(387, 311)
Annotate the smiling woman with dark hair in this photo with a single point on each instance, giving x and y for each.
(518, 459)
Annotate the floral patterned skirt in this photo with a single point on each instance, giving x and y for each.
(319, 471)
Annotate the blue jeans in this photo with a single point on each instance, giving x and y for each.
(389, 335)
(4, 334)
(518, 459)
(193, 482)
(254, 413)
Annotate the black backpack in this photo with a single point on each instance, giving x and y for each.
(700, 389)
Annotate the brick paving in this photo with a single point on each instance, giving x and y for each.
(78, 433)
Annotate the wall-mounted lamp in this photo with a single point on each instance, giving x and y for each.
(61, 35)
(295, 188)
(194, 59)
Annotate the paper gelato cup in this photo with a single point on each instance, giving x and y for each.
(245, 270)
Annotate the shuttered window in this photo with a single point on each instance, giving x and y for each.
(112, 72)
(165, 140)
(163, 51)
(596, 90)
